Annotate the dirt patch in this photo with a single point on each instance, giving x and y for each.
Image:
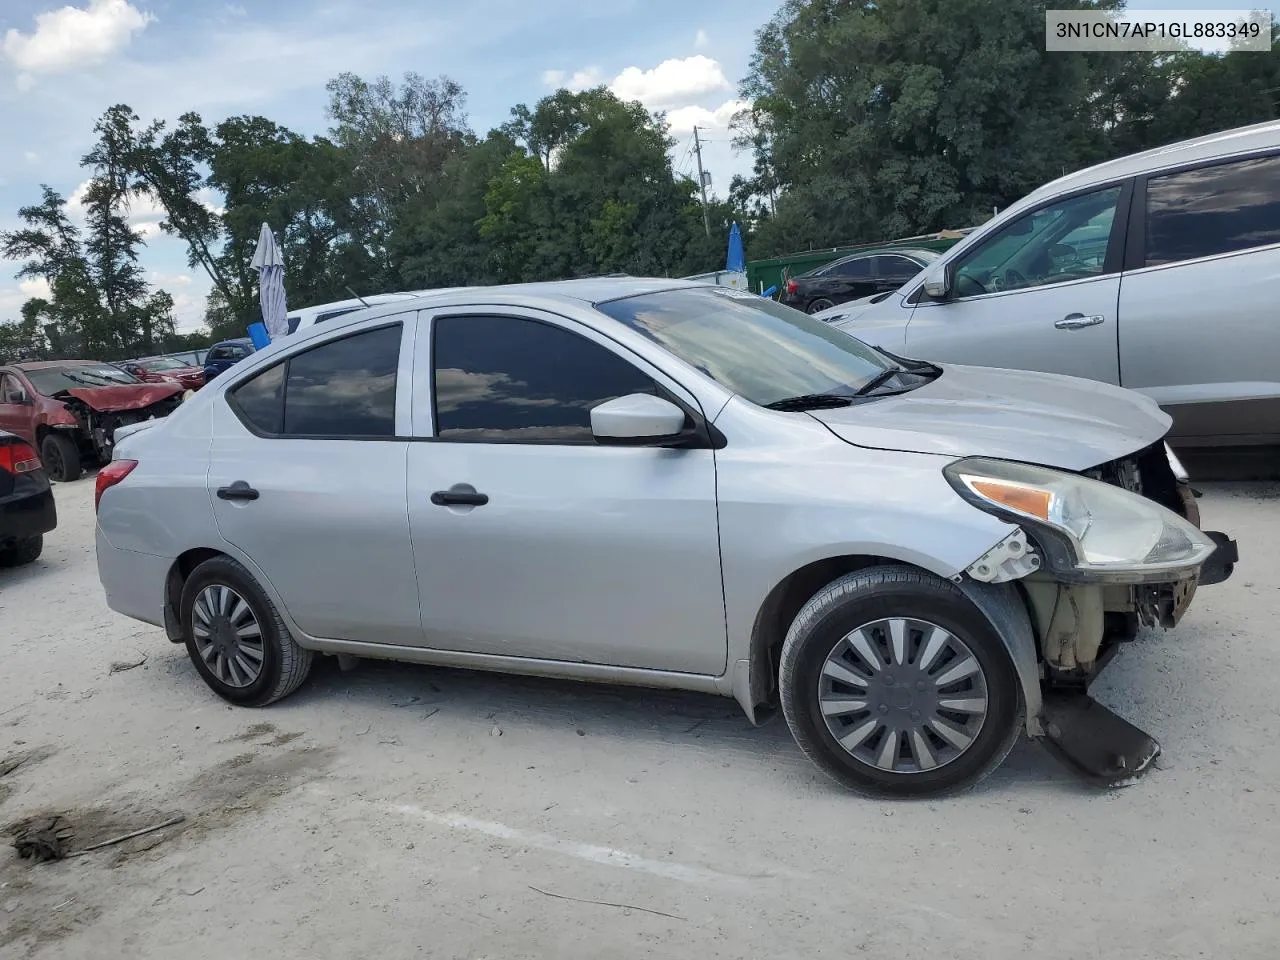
(31, 930)
(252, 733)
(280, 739)
(248, 783)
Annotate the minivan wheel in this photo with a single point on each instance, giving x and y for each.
(896, 685)
(236, 638)
(822, 303)
(23, 552)
(61, 458)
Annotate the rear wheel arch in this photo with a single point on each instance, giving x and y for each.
(178, 573)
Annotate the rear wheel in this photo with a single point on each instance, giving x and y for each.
(61, 458)
(822, 303)
(22, 552)
(236, 638)
(895, 684)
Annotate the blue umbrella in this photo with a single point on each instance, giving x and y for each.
(270, 266)
(737, 260)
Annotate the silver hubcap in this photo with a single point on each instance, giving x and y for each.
(903, 695)
(228, 636)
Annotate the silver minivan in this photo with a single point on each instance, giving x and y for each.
(1159, 272)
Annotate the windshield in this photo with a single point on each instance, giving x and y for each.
(53, 380)
(163, 363)
(753, 346)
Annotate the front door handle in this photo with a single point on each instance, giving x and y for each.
(237, 491)
(1074, 321)
(459, 495)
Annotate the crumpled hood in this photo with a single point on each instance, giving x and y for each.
(848, 311)
(125, 396)
(1041, 418)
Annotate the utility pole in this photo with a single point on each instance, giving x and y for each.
(702, 181)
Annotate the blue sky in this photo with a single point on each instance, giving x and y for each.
(62, 62)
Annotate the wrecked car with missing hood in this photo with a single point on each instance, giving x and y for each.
(69, 410)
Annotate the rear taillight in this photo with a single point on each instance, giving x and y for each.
(19, 458)
(109, 476)
(792, 287)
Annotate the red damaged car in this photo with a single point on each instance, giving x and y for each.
(166, 370)
(69, 409)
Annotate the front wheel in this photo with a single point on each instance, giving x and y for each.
(235, 637)
(894, 684)
(61, 458)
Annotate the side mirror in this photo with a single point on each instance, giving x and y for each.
(637, 419)
(939, 284)
(18, 396)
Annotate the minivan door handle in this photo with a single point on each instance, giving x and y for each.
(1074, 321)
(237, 491)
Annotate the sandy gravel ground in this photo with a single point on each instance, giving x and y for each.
(401, 811)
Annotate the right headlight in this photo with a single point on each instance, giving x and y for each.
(1090, 530)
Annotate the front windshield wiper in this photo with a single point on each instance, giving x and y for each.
(810, 401)
(880, 379)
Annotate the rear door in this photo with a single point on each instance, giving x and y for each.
(1199, 326)
(307, 477)
(1040, 293)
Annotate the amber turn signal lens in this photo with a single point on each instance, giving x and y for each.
(1029, 500)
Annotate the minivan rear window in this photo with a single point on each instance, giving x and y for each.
(1212, 210)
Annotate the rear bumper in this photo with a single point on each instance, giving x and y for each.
(133, 582)
(26, 516)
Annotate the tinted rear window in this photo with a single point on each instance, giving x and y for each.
(1212, 210)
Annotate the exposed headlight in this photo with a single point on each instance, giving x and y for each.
(1101, 531)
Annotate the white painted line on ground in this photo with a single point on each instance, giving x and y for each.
(582, 851)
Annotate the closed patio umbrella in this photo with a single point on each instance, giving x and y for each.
(270, 266)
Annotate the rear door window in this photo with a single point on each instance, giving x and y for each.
(341, 389)
(1213, 210)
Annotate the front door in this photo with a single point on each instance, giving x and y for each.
(14, 416)
(307, 477)
(1039, 294)
(533, 541)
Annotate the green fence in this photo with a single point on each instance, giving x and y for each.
(763, 274)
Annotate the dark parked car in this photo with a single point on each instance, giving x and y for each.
(854, 277)
(26, 502)
(224, 354)
(69, 409)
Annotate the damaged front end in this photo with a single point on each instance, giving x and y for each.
(100, 411)
(1093, 564)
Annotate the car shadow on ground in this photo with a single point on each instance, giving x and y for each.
(397, 693)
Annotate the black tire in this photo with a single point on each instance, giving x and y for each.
(889, 592)
(285, 664)
(22, 552)
(61, 458)
(822, 303)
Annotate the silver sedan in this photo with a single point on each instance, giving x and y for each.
(669, 485)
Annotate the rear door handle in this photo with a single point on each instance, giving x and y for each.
(459, 495)
(1074, 321)
(237, 491)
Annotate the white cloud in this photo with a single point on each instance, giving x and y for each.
(577, 81)
(700, 39)
(166, 280)
(72, 37)
(35, 287)
(671, 83)
(31, 156)
(686, 118)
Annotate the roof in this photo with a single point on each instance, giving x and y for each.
(237, 340)
(1257, 136)
(590, 290)
(48, 364)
